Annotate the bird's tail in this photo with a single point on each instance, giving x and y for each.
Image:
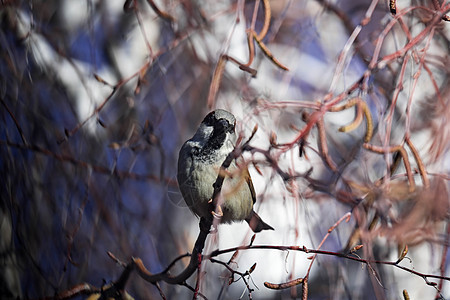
(256, 223)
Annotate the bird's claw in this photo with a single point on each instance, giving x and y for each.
(218, 213)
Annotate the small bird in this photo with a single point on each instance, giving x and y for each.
(199, 164)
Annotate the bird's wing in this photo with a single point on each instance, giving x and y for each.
(248, 179)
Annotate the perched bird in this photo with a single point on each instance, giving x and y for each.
(199, 163)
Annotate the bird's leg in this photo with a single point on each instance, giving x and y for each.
(217, 213)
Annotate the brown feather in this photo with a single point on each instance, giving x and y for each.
(248, 179)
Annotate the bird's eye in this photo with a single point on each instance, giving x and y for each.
(223, 125)
(219, 123)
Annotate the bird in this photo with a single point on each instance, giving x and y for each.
(199, 163)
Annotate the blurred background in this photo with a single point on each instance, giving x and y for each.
(97, 97)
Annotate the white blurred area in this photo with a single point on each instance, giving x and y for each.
(78, 76)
